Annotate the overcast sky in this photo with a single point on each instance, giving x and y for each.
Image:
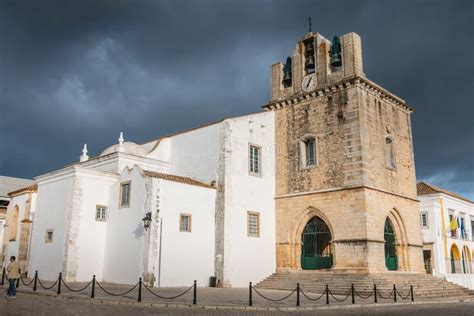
(75, 72)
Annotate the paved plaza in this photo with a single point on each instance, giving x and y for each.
(210, 301)
(35, 304)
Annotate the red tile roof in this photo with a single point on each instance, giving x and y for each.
(31, 188)
(423, 188)
(180, 179)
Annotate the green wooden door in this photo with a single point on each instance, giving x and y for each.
(316, 245)
(391, 261)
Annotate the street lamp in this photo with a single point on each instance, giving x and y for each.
(147, 220)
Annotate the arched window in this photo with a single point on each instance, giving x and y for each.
(308, 151)
(390, 152)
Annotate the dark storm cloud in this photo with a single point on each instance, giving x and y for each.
(74, 72)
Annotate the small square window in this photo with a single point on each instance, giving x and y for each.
(253, 224)
(49, 236)
(185, 223)
(125, 194)
(254, 160)
(101, 213)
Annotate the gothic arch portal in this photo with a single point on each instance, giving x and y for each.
(400, 240)
(297, 234)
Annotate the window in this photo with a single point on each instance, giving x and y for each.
(254, 160)
(125, 194)
(253, 224)
(390, 153)
(184, 222)
(424, 219)
(308, 151)
(472, 229)
(101, 213)
(48, 238)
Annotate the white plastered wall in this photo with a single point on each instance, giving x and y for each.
(249, 258)
(186, 256)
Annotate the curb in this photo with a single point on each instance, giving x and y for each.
(240, 308)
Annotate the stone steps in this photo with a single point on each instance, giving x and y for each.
(315, 282)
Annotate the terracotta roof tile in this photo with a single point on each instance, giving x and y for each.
(423, 188)
(31, 188)
(180, 179)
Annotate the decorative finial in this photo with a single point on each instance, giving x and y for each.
(121, 139)
(84, 156)
(309, 23)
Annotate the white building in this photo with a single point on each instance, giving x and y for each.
(447, 248)
(209, 192)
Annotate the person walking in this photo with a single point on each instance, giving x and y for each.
(13, 273)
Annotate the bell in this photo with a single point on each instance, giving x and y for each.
(309, 62)
(308, 47)
(286, 79)
(336, 60)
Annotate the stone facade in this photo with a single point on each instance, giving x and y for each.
(351, 187)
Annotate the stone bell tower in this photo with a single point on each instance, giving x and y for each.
(345, 176)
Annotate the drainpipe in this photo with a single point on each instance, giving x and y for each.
(159, 252)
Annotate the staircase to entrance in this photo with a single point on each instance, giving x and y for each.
(424, 285)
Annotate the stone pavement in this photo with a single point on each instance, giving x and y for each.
(232, 298)
(34, 304)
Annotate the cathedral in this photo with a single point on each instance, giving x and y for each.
(323, 178)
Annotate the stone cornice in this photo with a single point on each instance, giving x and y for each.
(329, 88)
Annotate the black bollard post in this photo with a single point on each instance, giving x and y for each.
(195, 293)
(3, 276)
(18, 280)
(411, 293)
(327, 294)
(59, 282)
(93, 287)
(375, 293)
(297, 294)
(352, 293)
(140, 289)
(36, 281)
(250, 294)
(394, 293)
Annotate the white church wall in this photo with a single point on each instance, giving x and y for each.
(186, 256)
(194, 153)
(249, 258)
(159, 149)
(54, 195)
(124, 237)
(92, 233)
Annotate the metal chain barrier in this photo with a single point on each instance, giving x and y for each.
(116, 294)
(271, 299)
(339, 300)
(404, 297)
(168, 297)
(47, 288)
(73, 290)
(26, 284)
(385, 297)
(362, 296)
(312, 299)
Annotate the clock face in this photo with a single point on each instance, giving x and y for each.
(309, 83)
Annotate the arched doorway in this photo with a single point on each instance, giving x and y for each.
(391, 260)
(316, 251)
(455, 258)
(14, 223)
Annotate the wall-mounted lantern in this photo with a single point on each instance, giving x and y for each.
(147, 220)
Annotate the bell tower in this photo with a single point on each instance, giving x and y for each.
(344, 165)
